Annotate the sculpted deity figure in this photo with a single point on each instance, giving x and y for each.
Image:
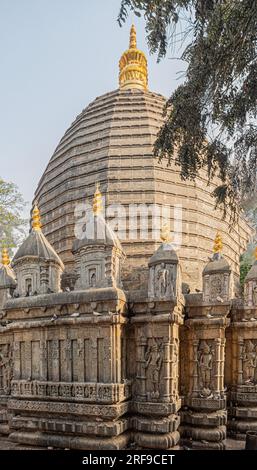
(163, 281)
(153, 363)
(205, 363)
(249, 362)
(5, 368)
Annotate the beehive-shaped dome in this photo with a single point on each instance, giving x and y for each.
(111, 142)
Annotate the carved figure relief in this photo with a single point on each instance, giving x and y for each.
(163, 284)
(163, 277)
(153, 363)
(255, 295)
(6, 368)
(216, 286)
(250, 362)
(205, 368)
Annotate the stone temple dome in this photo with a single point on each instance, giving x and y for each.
(111, 142)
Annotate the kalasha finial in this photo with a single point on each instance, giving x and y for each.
(133, 65)
(217, 248)
(5, 257)
(133, 38)
(165, 233)
(97, 201)
(36, 220)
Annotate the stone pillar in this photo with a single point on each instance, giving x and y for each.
(242, 379)
(156, 402)
(204, 413)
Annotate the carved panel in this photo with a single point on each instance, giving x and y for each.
(249, 361)
(206, 358)
(6, 368)
(87, 392)
(153, 364)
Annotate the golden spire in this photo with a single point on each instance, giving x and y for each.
(97, 201)
(5, 257)
(133, 65)
(217, 248)
(133, 38)
(165, 233)
(36, 221)
(255, 252)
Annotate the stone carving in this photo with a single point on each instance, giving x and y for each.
(6, 368)
(255, 295)
(163, 278)
(205, 367)
(153, 363)
(86, 392)
(216, 286)
(250, 362)
(217, 282)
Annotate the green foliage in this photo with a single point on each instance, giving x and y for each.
(211, 117)
(11, 222)
(244, 269)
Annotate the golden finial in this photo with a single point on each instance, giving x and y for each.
(217, 248)
(36, 220)
(133, 65)
(165, 233)
(97, 201)
(5, 257)
(133, 38)
(255, 252)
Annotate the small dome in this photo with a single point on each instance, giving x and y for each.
(37, 246)
(7, 277)
(165, 253)
(217, 264)
(252, 274)
(98, 232)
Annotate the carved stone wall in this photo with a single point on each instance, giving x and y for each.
(70, 359)
(241, 372)
(156, 400)
(34, 277)
(204, 414)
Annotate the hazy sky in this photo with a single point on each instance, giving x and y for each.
(56, 57)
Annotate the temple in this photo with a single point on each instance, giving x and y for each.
(122, 317)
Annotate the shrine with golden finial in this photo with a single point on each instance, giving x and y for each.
(133, 66)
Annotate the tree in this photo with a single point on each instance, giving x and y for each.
(11, 222)
(211, 117)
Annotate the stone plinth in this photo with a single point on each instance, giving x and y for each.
(204, 413)
(156, 400)
(67, 384)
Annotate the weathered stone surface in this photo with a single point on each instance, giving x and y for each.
(111, 142)
(125, 354)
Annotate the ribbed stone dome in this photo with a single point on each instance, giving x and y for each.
(111, 142)
(37, 246)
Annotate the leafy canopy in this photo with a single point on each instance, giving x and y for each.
(211, 117)
(11, 222)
